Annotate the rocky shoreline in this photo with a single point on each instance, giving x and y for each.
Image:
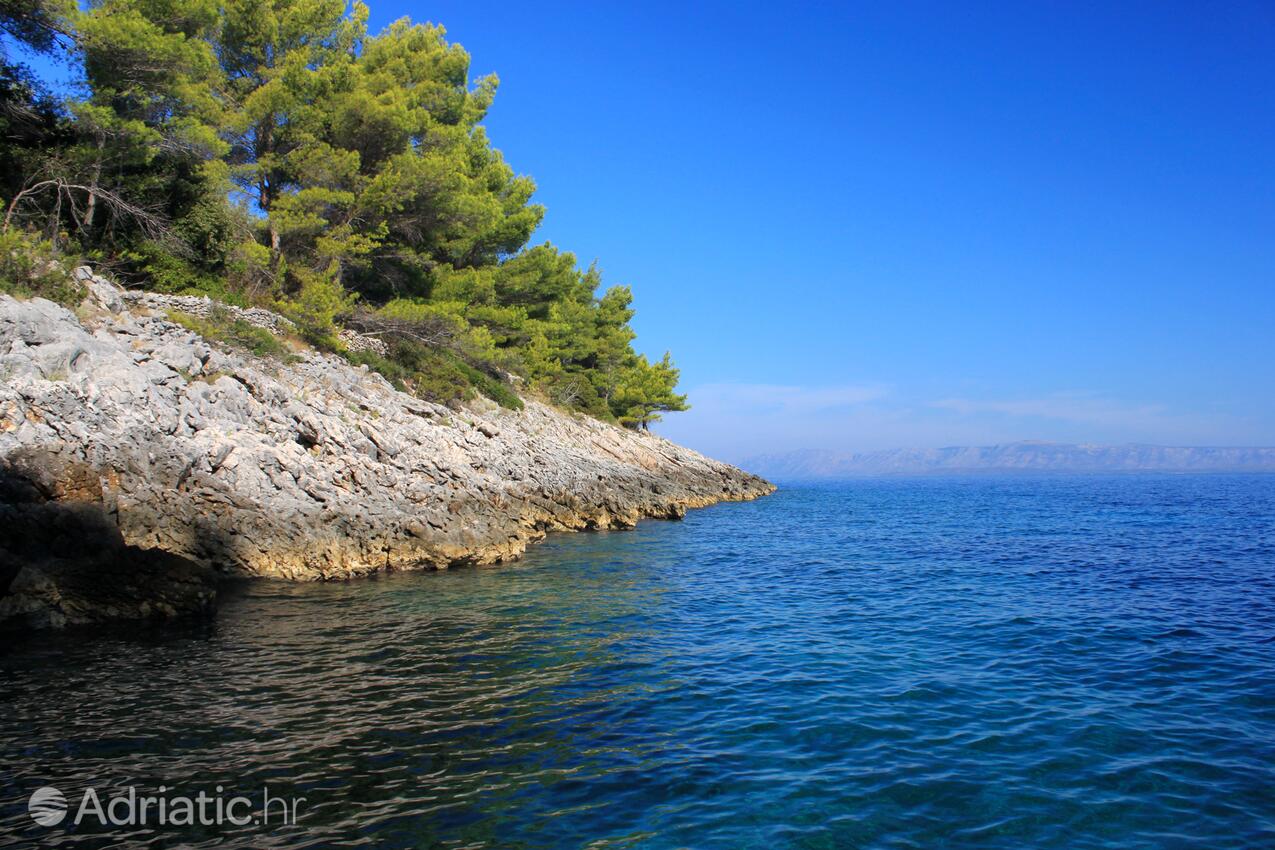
(141, 463)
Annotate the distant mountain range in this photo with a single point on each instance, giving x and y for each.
(1012, 457)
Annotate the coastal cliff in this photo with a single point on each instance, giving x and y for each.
(140, 463)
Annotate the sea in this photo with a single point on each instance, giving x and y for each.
(1023, 661)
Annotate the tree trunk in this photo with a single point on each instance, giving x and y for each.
(265, 189)
(97, 176)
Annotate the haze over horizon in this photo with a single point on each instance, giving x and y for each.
(1021, 457)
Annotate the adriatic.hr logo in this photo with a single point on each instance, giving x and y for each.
(48, 806)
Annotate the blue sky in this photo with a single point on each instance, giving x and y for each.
(893, 224)
(863, 226)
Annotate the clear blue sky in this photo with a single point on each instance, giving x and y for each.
(863, 226)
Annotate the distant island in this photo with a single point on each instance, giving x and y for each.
(1029, 456)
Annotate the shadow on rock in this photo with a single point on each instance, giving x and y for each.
(64, 562)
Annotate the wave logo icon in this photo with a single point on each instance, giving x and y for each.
(47, 806)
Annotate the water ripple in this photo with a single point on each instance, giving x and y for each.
(1070, 662)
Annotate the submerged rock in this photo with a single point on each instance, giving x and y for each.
(309, 470)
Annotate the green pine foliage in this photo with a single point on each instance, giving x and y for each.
(276, 152)
(30, 268)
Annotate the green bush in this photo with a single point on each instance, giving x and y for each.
(31, 268)
(435, 375)
(573, 390)
(315, 308)
(222, 326)
(495, 389)
(164, 271)
(248, 270)
(426, 376)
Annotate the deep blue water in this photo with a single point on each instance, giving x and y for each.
(1015, 662)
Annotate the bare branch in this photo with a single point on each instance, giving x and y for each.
(151, 224)
(432, 331)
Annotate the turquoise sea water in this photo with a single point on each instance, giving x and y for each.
(1022, 662)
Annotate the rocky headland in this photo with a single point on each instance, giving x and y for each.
(140, 464)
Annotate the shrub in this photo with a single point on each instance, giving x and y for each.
(433, 353)
(222, 326)
(163, 271)
(248, 270)
(495, 389)
(31, 267)
(316, 306)
(424, 373)
(434, 374)
(575, 391)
